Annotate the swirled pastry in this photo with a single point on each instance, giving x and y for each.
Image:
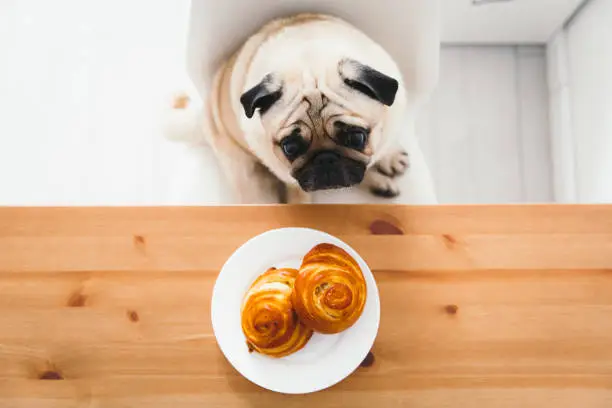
(330, 290)
(268, 319)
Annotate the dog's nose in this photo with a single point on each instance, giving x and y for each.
(326, 159)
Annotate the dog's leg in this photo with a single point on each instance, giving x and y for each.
(380, 179)
(250, 181)
(295, 195)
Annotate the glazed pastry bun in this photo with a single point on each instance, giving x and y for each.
(330, 290)
(268, 318)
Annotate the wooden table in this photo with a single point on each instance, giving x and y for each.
(481, 306)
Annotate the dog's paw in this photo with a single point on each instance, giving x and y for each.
(394, 164)
(388, 190)
(381, 180)
(380, 184)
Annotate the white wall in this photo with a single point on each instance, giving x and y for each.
(485, 133)
(82, 85)
(503, 22)
(589, 58)
(562, 143)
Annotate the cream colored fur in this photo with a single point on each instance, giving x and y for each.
(305, 50)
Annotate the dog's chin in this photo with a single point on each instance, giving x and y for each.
(344, 173)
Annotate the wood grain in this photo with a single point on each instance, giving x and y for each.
(481, 306)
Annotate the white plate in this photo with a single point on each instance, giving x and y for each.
(326, 359)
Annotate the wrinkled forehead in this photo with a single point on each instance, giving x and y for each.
(318, 95)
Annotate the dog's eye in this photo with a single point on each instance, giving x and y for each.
(290, 147)
(293, 146)
(355, 139)
(351, 136)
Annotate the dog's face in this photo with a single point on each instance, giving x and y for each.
(322, 128)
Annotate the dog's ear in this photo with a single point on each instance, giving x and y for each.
(368, 81)
(262, 96)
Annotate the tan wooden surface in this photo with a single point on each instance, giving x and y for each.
(481, 306)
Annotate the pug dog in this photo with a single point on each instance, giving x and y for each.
(308, 103)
